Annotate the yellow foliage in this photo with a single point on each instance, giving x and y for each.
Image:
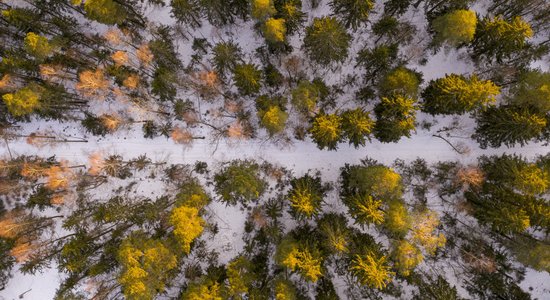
(456, 27)
(300, 258)
(531, 180)
(397, 218)
(262, 9)
(24, 101)
(424, 225)
(366, 209)
(188, 226)
(275, 30)
(371, 270)
(274, 119)
(406, 257)
(207, 290)
(37, 45)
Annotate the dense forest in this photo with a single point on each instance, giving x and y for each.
(282, 74)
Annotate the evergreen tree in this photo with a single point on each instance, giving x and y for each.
(239, 182)
(291, 12)
(371, 270)
(456, 94)
(226, 57)
(273, 119)
(187, 11)
(274, 30)
(247, 78)
(498, 39)
(305, 97)
(262, 9)
(240, 276)
(336, 236)
(300, 257)
(455, 28)
(533, 90)
(400, 81)
(105, 11)
(326, 41)
(436, 289)
(146, 264)
(357, 126)
(508, 125)
(306, 197)
(352, 12)
(326, 131)
(377, 60)
(395, 118)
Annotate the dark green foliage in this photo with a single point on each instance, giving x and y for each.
(352, 12)
(94, 125)
(186, 11)
(6, 262)
(226, 57)
(291, 12)
(508, 125)
(391, 30)
(239, 181)
(150, 129)
(436, 289)
(378, 60)
(326, 41)
(395, 118)
(247, 78)
(357, 126)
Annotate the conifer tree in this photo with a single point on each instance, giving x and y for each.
(457, 94)
(186, 11)
(240, 276)
(188, 226)
(532, 89)
(335, 233)
(24, 101)
(38, 46)
(357, 126)
(352, 12)
(273, 119)
(305, 97)
(498, 39)
(326, 131)
(274, 30)
(400, 81)
(204, 289)
(365, 209)
(105, 11)
(146, 264)
(239, 181)
(455, 28)
(247, 78)
(306, 196)
(406, 257)
(508, 125)
(262, 9)
(371, 270)
(302, 258)
(226, 57)
(395, 118)
(291, 12)
(326, 41)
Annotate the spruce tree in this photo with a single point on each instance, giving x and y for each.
(352, 12)
(508, 125)
(357, 126)
(533, 90)
(247, 78)
(326, 131)
(395, 118)
(457, 94)
(455, 28)
(326, 41)
(239, 181)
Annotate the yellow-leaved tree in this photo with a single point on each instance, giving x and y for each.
(274, 30)
(299, 257)
(24, 101)
(371, 270)
(188, 225)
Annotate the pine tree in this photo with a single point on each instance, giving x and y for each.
(24, 101)
(186, 11)
(247, 78)
(457, 94)
(262, 9)
(273, 119)
(352, 12)
(306, 196)
(395, 118)
(357, 126)
(38, 46)
(105, 11)
(335, 232)
(326, 41)
(301, 258)
(326, 131)
(240, 276)
(371, 270)
(291, 12)
(239, 182)
(188, 226)
(378, 181)
(508, 125)
(365, 209)
(406, 257)
(497, 39)
(145, 267)
(455, 28)
(274, 30)
(400, 81)
(532, 89)
(305, 97)
(226, 57)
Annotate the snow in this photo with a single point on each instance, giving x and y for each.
(300, 157)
